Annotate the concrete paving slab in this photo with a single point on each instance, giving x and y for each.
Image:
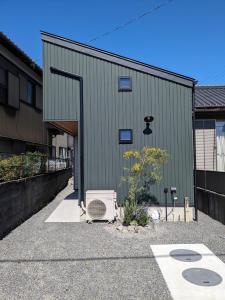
(200, 279)
(66, 211)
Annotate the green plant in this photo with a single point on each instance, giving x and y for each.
(143, 171)
(10, 168)
(24, 165)
(129, 212)
(142, 217)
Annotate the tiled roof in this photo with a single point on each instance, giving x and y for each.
(6, 42)
(210, 96)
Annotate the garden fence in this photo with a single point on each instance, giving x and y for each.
(25, 165)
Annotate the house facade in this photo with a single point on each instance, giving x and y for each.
(210, 128)
(21, 126)
(103, 99)
(21, 120)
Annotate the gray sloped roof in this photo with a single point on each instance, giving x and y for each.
(13, 48)
(210, 96)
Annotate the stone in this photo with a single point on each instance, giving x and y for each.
(120, 227)
(141, 228)
(130, 228)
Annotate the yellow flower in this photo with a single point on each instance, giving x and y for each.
(131, 154)
(136, 168)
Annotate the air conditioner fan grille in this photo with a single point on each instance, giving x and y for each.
(96, 209)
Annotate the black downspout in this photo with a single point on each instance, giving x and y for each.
(81, 140)
(194, 153)
(80, 79)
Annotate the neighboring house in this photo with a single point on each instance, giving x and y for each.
(62, 146)
(21, 121)
(21, 126)
(102, 99)
(210, 128)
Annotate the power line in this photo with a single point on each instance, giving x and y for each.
(133, 20)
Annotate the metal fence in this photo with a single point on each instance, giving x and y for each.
(211, 194)
(30, 164)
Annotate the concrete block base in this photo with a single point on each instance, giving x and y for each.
(173, 214)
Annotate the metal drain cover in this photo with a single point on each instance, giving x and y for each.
(185, 255)
(202, 277)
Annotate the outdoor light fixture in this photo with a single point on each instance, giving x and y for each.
(148, 120)
(173, 191)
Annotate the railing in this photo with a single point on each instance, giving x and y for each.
(26, 165)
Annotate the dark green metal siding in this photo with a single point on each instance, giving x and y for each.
(106, 110)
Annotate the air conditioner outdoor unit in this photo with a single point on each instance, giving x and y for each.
(101, 205)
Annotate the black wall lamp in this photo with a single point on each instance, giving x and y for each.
(148, 120)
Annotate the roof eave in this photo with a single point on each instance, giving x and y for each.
(20, 54)
(117, 59)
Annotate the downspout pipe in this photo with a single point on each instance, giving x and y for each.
(81, 132)
(194, 152)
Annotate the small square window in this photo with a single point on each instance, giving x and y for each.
(125, 136)
(125, 84)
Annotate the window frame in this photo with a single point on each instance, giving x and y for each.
(124, 89)
(33, 103)
(4, 87)
(121, 141)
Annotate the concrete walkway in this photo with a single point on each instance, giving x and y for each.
(51, 260)
(67, 211)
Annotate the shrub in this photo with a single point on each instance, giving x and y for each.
(144, 170)
(142, 217)
(24, 165)
(10, 168)
(129, 212)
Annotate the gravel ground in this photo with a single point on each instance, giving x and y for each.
(79, 261)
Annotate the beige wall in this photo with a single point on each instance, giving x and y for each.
(65, 140)
(23, 124)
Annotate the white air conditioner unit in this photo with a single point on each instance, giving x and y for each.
(101, 205)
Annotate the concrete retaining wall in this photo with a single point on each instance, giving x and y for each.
(20, 199)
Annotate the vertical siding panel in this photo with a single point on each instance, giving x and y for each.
(107, 110)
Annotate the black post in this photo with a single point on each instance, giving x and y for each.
(166, 204)
(194, 153)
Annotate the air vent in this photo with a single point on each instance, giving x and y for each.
(96, 209)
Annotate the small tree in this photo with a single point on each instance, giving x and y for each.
(144, 170)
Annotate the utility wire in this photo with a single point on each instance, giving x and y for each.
(131, 21)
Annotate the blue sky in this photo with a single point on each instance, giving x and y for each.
(186, 36)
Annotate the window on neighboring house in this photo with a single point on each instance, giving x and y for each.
(53, 152)
(3, 86)
(125, 84)
(125, 136)
(30, 93)
(220, 145)
(62, 152)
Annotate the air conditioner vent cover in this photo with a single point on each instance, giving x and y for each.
(96, 209)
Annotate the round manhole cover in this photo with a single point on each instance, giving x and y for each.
(202, 277)
(185, 255)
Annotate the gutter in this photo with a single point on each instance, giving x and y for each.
(194, 151)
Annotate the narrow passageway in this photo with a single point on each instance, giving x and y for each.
(68, 209)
